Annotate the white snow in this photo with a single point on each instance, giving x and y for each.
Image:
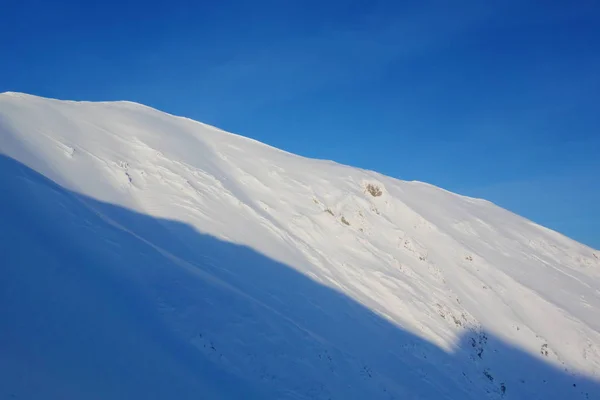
(146, 255)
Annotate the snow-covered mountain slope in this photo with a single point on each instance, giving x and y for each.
(145, 255)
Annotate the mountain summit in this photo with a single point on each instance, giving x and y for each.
(145, 255)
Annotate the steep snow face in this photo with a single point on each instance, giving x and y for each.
(237, 265)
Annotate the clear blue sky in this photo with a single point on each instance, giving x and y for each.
(494, 101)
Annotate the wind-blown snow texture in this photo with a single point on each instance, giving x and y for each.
(150, 256)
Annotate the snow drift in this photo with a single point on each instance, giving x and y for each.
(145, 255)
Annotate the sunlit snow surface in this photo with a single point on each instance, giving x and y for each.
(150, 256)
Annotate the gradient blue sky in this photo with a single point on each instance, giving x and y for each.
(500, 101)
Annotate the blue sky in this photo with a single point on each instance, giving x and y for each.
(488, 100)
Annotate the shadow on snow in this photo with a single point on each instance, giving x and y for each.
(98, 302)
